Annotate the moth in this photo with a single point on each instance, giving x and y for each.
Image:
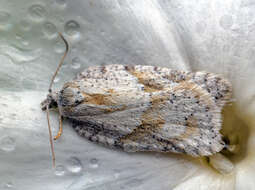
(144, 108)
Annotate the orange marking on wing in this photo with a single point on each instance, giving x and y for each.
(151, 120)
(99, 99)
(104, 99)
(144, 78)
(111, 91)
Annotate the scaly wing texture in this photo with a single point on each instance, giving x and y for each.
(145, 108)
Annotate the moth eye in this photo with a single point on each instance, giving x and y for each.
(54, 104)
(77, 101)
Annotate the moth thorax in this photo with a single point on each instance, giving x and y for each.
(70, 96)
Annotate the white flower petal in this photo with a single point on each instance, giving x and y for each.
(216, 36)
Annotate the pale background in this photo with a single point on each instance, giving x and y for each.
(216, 36)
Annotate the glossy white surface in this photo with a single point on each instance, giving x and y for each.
(216, 36)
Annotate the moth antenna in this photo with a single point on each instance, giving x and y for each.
(50, 136)
(60, 63)
(50, 91)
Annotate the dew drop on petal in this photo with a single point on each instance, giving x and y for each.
(74, 165)
(94, 163)
(25, 25)
(4, 17)
(60, 170)
(65, 64)
(25, 43)
(22, 39)
(56, 80)
(59, 47)
(1, 117)
(226, 21)
(76, 63)
(37, 13)
(18, 37)
(102, 32)
(116, 174)
(7, 144)
(8, 185)
(49, 29)
(72, 28)
(61, 2)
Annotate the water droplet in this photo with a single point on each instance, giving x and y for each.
(25, 25)
(13, 116)
(4, 17)
(56, 80)
(50, 30)
(22, 40)
(1, 118)
(60, 170)
(74, 165)
(5, 105)
(74, 49)
(25, 42)
(76, 63)
(59, 47)
(116, 174)
(102, 32)
(65, 64)
(7, 144)
(18, 37)
(72, 28)
(61, 2)
(37, 12)
(94, 163)
(8, 185)
(226, 21)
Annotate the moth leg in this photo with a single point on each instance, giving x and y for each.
(60, 129)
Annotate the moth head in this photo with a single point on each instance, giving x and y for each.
(50, 101)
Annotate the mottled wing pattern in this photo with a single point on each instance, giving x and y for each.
(146, 108)
(219, 88)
